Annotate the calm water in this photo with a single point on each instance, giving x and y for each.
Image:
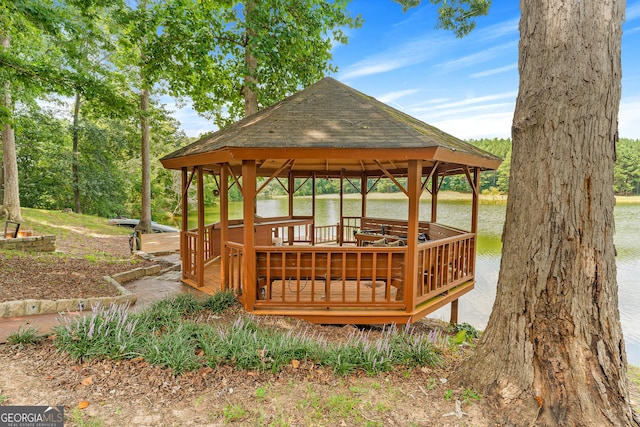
(475, 307)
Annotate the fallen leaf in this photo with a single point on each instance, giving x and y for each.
(83, 404)
(87, 381)
(49, 377)
(295, 363)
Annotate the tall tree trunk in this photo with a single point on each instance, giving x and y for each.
(145, 213)
(250, 79)
(76, 155)
(11, 196)
(553, 350)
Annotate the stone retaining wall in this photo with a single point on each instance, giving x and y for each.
(30, 243)
(32, 306)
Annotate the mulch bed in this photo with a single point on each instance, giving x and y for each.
(68, 274)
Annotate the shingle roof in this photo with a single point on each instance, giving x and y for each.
(329, 115)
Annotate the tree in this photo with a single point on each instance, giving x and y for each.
(553, 352)
(11, 192)
(141, 28)
(235, 58)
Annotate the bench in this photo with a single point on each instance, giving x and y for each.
(387, 267)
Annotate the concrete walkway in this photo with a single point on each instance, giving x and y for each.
(148, 290)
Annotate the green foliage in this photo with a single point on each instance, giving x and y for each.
(455, 15)
(463, 332)
(220, 302)
(209, 45)
(108, 163)
(469, 395)
(161, 335)
(24, 336)
(627, 167)
(233, 413)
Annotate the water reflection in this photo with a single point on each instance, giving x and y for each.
(475, 307)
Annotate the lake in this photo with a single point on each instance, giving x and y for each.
(475, 307)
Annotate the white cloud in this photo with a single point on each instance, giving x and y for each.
(393, 96)
(404, 55)
(502, 29)
(632, 12)
(629, 118)
(471, 110)
(468, 101)
(478, 57)
(494, 71)
(496, 125)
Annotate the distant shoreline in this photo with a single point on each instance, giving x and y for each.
(449, 196)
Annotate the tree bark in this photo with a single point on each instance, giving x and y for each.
(76, 154)
(145, 213)
(553, 350)
(11, 196)
(250, 79)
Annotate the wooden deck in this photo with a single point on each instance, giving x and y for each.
(348, 291)
(212, 279)
(343, 284)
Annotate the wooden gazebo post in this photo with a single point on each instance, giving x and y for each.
(185, 213)
(434, 197)
(200, 247)
(364, 190)
(249, 258)
(414, 189)
(224, 224)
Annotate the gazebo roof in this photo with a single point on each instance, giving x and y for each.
(330, 127)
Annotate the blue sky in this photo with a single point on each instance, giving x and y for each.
(466, 87)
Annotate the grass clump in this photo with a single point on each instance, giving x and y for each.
(165, 335)
(23, 337)
(108, 332)
(220, 302)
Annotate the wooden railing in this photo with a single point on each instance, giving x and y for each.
(189, 249)
(326, 233)
(299, 233)
(444, 264)
(350, 225)
(234, 253)
(327, 277)
(344, 277)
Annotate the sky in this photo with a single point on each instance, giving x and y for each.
(466, 87)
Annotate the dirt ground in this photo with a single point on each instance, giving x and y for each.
(109, 393)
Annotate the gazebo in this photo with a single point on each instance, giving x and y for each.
(362, 270)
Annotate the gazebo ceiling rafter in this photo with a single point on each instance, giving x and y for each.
(392, 178)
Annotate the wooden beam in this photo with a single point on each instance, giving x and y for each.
(235, 178)
(414, 186)
(201, 234)
(187, 184)
(472, 182)
(341, 226)
(363, 194)
(391, 177)
(430, 176)
(275, 174)
(434, 198)
(224, 227)
(249, 259)
(185, 222)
